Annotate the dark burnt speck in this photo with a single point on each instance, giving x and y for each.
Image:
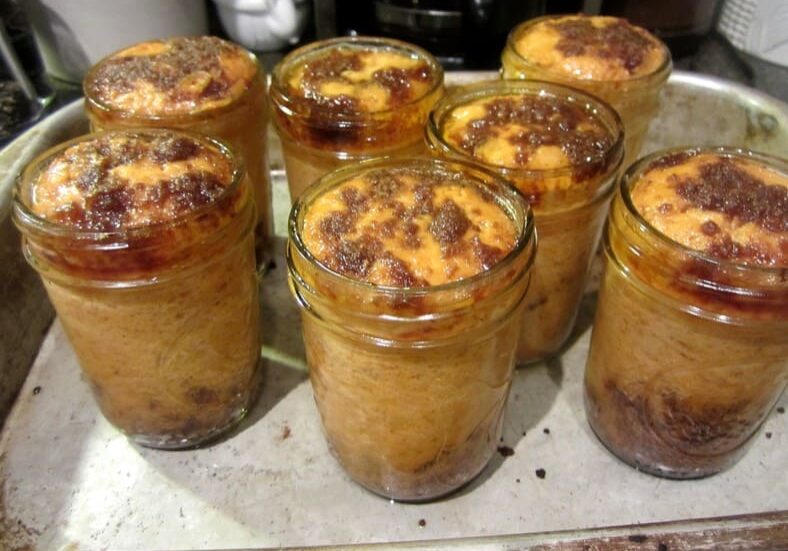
(505, 451)
(541, 473)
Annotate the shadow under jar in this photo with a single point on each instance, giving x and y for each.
(410, 275)
(689, 350)
(199, 84)
(340, 101)
(561, 148)
(607, 57)
(144, 243)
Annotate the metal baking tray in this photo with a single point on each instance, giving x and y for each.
(68, 480)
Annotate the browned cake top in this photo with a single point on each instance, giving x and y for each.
(353, 79)
(170, 77)
(408, 227)
(732, 208)
(591, 47)
(129, 180)
(529, 131)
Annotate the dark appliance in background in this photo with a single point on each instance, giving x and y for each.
(682, 24)
(462, 34)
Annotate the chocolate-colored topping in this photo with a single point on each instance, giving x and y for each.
(724, 187)
(552, 122)
(449, 224)
(167, 69)
(617, 40)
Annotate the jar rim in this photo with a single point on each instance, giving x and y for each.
(633, 173)
(593, 105)
(660, 73)
(505, 191)
(282, 101)
(107, 108)
(28, 220)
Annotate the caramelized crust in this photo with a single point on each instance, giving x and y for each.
(120, 181)
(593, 48)
(407, 228)
(171, 77)
(729, 207)
(530, 132)
(347, 80)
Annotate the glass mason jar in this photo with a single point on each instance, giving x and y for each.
(320, 135)
(411, 383)
(688, 352)
(635, 98)
(569, 205)
(237, 115)
(163, 318)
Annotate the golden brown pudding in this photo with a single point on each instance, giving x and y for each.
(411, 276)
(688, 352)
(202, 84)
(561, 149)
(343, 100)
(144, 243)
(402, 229)
(731, 208)
(608, 57)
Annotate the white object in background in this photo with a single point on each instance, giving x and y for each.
(759, 27)
(72, 35)
(263, 25)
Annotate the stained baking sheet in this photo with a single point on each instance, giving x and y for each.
(68, 480)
